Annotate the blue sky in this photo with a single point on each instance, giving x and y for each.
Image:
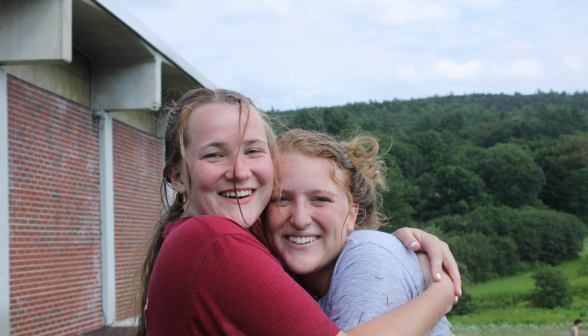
(287, 54)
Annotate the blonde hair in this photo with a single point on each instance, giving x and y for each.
(355, 167)
(176, 140)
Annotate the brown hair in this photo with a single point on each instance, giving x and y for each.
(176, 140)
(355, 161)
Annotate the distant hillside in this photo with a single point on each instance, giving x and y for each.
(447, 112)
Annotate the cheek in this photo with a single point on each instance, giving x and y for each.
(332, 222)
(274, 219)
(266, 170)
(203, 175)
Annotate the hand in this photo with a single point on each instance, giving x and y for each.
(438, 251)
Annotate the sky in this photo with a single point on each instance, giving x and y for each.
(290, 54)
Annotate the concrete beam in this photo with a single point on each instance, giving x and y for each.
(4, 211)
(35, 31)
(107, 217)
(129, 85)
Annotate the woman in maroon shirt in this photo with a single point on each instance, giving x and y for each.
(205, 273)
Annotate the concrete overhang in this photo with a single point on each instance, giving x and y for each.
(131, 66)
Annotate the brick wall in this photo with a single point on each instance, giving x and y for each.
(54, 214)
(138, 163)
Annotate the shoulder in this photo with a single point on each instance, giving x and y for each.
(194, 237)
(369, 239)
(214, 225)
(382, 251)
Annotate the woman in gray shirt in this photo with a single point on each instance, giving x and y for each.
(322, 222)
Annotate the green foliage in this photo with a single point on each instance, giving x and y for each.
(305, 119)
(583, 270)
(511, 175)
(494, 241)
(565, 163)
(431, 146)
(552, 288)
(457, 191)
(337, 120)
(465, 305)
(396, 199)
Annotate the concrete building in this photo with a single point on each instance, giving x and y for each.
(81, 150)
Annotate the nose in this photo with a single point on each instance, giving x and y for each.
(238, 170)
(300, 217)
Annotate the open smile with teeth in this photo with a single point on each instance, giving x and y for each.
(302, 240)
(239, 194)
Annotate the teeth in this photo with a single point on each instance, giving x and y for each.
(240, 193)
(302, 240)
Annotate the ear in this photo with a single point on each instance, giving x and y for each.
(352, 217)
(176, 180)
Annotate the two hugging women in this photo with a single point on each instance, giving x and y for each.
(276, 236)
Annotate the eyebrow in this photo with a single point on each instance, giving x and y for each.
(224, 144)
(315, 191)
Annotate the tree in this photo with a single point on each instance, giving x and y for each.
(457, 191)
(431, 146)
(396, 199)
(305, 119)
(510, 174)
(565, 163)
(552, 288)
(337, 120)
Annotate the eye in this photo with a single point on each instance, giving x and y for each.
(253, 151)
(212, 156)
(282, 201)
(321, 200)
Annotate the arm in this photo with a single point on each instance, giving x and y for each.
(438, 251)
(416, 317)
(362, 289)
(425, 264)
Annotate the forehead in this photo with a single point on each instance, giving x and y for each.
(222, 122)
(301, 170)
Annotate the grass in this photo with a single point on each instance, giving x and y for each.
(503, 309)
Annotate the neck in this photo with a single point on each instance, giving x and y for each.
(317, 283)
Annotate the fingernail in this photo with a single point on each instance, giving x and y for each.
(438, 276)
(413, 244)
(460, 291)
(456, 299)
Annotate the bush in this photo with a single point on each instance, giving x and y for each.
(552, 288)
(583, 270)
(465, 305)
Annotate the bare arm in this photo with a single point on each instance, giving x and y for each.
(416, 317)
(425, 263)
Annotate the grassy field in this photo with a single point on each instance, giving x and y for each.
(503, 309)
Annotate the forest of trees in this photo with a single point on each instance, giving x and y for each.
(502, 178)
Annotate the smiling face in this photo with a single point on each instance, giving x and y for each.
(213, 141)
(308, 225)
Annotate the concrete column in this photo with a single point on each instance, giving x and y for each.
(4, 208)
(107, 217)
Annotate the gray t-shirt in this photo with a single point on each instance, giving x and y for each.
(374, 274)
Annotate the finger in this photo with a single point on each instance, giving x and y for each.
(450, 266)
(407, 237)
(432, 245)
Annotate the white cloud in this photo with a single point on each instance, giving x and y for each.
(574, 63)
(521, 69)
(454, 71)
